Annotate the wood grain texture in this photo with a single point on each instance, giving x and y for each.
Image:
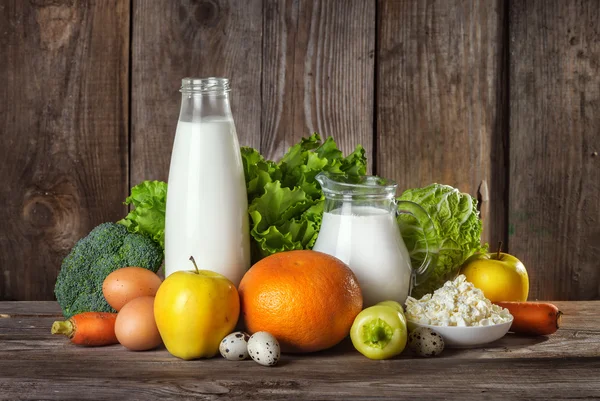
(534, 379)
(318, 72)
(197, 38)
(554, 208)
(440, 100)
(565, 365)
(64, 168)
(30, 308)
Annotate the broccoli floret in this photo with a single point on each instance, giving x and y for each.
(107, 248)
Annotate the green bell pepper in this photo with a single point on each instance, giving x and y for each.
(379, 332)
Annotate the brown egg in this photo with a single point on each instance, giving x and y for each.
(127, 283)
(135, 327)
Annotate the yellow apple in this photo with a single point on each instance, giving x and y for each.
(501, 277)
(194, 310)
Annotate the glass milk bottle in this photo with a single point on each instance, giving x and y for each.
(207, 206)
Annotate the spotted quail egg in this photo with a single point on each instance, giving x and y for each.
(264, 348)
(234, 347)
(425, 342)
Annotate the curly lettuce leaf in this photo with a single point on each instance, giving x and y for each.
(149, 199)
(257, 171)
(278, 205)
(278, 221)
(291, 235)
(457, 232)
(285, 200)
(355, 164)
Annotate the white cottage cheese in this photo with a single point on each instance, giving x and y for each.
(457, 303)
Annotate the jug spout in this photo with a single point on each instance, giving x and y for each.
(322, 179)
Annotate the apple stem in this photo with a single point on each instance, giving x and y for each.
(195, 265)
(499, 249)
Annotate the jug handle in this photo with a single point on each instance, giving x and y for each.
(430, 243)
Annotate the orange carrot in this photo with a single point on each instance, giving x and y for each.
(88, 328)
(533, 318)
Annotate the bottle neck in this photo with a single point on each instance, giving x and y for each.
(204, 98)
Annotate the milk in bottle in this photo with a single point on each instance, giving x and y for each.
(207, 205)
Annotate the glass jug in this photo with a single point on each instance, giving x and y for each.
(359, 227)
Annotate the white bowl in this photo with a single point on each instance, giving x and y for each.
(463, 337)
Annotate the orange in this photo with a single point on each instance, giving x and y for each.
(308, 300)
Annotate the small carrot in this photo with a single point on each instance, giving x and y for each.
(533, 318)
(88, 328)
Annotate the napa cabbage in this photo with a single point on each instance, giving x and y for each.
(456, 237)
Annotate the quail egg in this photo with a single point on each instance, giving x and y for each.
(264, 348)
(234, 347)
(425, 342)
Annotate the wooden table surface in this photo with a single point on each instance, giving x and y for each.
(37, 365)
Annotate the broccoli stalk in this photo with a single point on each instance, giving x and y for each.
(106, 248)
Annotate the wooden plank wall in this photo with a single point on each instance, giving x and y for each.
(64, 118)
(498, 98)
(439, 108)
(554, 197)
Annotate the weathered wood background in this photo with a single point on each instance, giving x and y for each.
(498, 98)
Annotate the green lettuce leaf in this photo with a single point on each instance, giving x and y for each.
(457, 232)
(285, 200)
(278, 205)
(149, 199)
(257, 171)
